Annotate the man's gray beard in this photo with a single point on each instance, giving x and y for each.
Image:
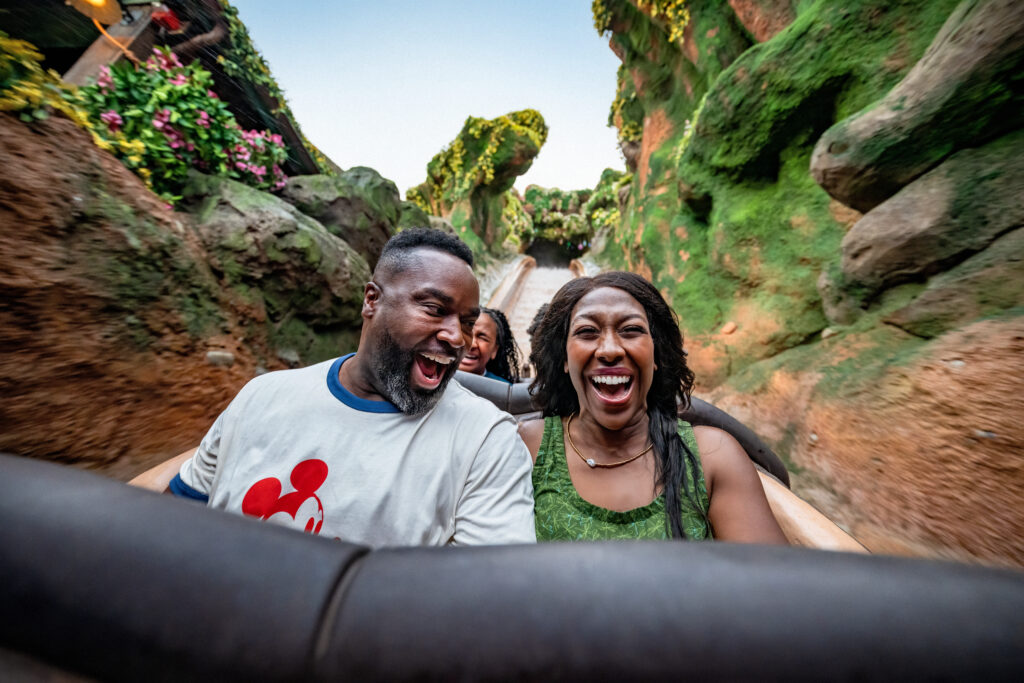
(392, 365)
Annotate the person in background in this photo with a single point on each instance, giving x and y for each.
(493, 351)
(531, 332)
(611, 368)
(377, 447)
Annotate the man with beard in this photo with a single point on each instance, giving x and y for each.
(372, 447)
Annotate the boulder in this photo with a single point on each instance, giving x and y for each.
(438, 223)
(986, 284)
(963, 92)
(938, 220)
(279, 257)
(357, 205)
(412, 216)
(468, 182)
(109, 312)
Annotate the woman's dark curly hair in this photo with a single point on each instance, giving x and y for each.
(673, 380)
(506, 362)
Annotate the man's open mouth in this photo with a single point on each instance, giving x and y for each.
(612, 388)
(429, 369)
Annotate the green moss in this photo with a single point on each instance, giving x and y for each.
(151, 271)
(479, 167)
(313, 344)
(232, 269)
(237, 241)
(833, 58)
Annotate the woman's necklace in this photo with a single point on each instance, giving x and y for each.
(593, 463)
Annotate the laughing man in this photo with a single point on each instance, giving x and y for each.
(376, 447)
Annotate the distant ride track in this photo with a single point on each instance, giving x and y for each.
(525, 289)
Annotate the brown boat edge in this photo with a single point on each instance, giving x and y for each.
(802, 523)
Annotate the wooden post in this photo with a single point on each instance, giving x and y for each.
(102, 51)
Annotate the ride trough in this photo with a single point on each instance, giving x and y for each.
(104, 581)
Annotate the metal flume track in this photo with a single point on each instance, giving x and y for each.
(525, 289)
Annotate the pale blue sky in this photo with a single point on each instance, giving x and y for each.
(388, 83)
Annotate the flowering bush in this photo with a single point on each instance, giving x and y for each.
(163, 119)
(26, 89)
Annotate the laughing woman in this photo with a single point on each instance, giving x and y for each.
(611, 368)
(492, 351)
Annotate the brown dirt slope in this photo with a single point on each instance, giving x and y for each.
(107, 311)
(922, 455)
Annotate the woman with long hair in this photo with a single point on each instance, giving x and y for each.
(611, 371)
(493, 351)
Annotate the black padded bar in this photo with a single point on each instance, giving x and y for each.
(661, 610)
(125, 584)
(109, 581)
(516, 399)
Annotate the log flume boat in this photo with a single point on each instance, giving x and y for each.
(104, 581)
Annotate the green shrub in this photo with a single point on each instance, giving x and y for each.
(163, 119)
(29, 91)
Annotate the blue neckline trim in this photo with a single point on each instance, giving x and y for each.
(351, 400)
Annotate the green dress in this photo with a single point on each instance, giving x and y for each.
(562, 515)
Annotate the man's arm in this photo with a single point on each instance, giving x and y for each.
(496, 506)
(197, 468)
(159, 478)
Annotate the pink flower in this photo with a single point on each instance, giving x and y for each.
(161, 118)
(203, 120)
(241, 165)
(277, 139)
(112, 119)
(258, 171)
(180, 79)
(210, 93)
(162, 61)
(104, 81)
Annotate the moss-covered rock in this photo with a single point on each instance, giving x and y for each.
(469, 182)
(984, 285)
(109, 311)
(412, 216)
(904, 385)
(967, 89)
(722, 214)
(357, 205)
(304, 280)
(938, 220)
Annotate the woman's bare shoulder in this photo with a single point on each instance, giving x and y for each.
(532, 433)
(717, 443)
(720, 454)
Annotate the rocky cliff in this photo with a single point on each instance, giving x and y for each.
(469, 182)
(830, 195)
(126, 326)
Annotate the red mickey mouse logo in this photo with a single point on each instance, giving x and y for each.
(264, 499)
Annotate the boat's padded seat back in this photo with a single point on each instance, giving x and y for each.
(114, 582)
(132, 585)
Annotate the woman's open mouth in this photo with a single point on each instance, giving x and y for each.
(429, 369)
(612, 389)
